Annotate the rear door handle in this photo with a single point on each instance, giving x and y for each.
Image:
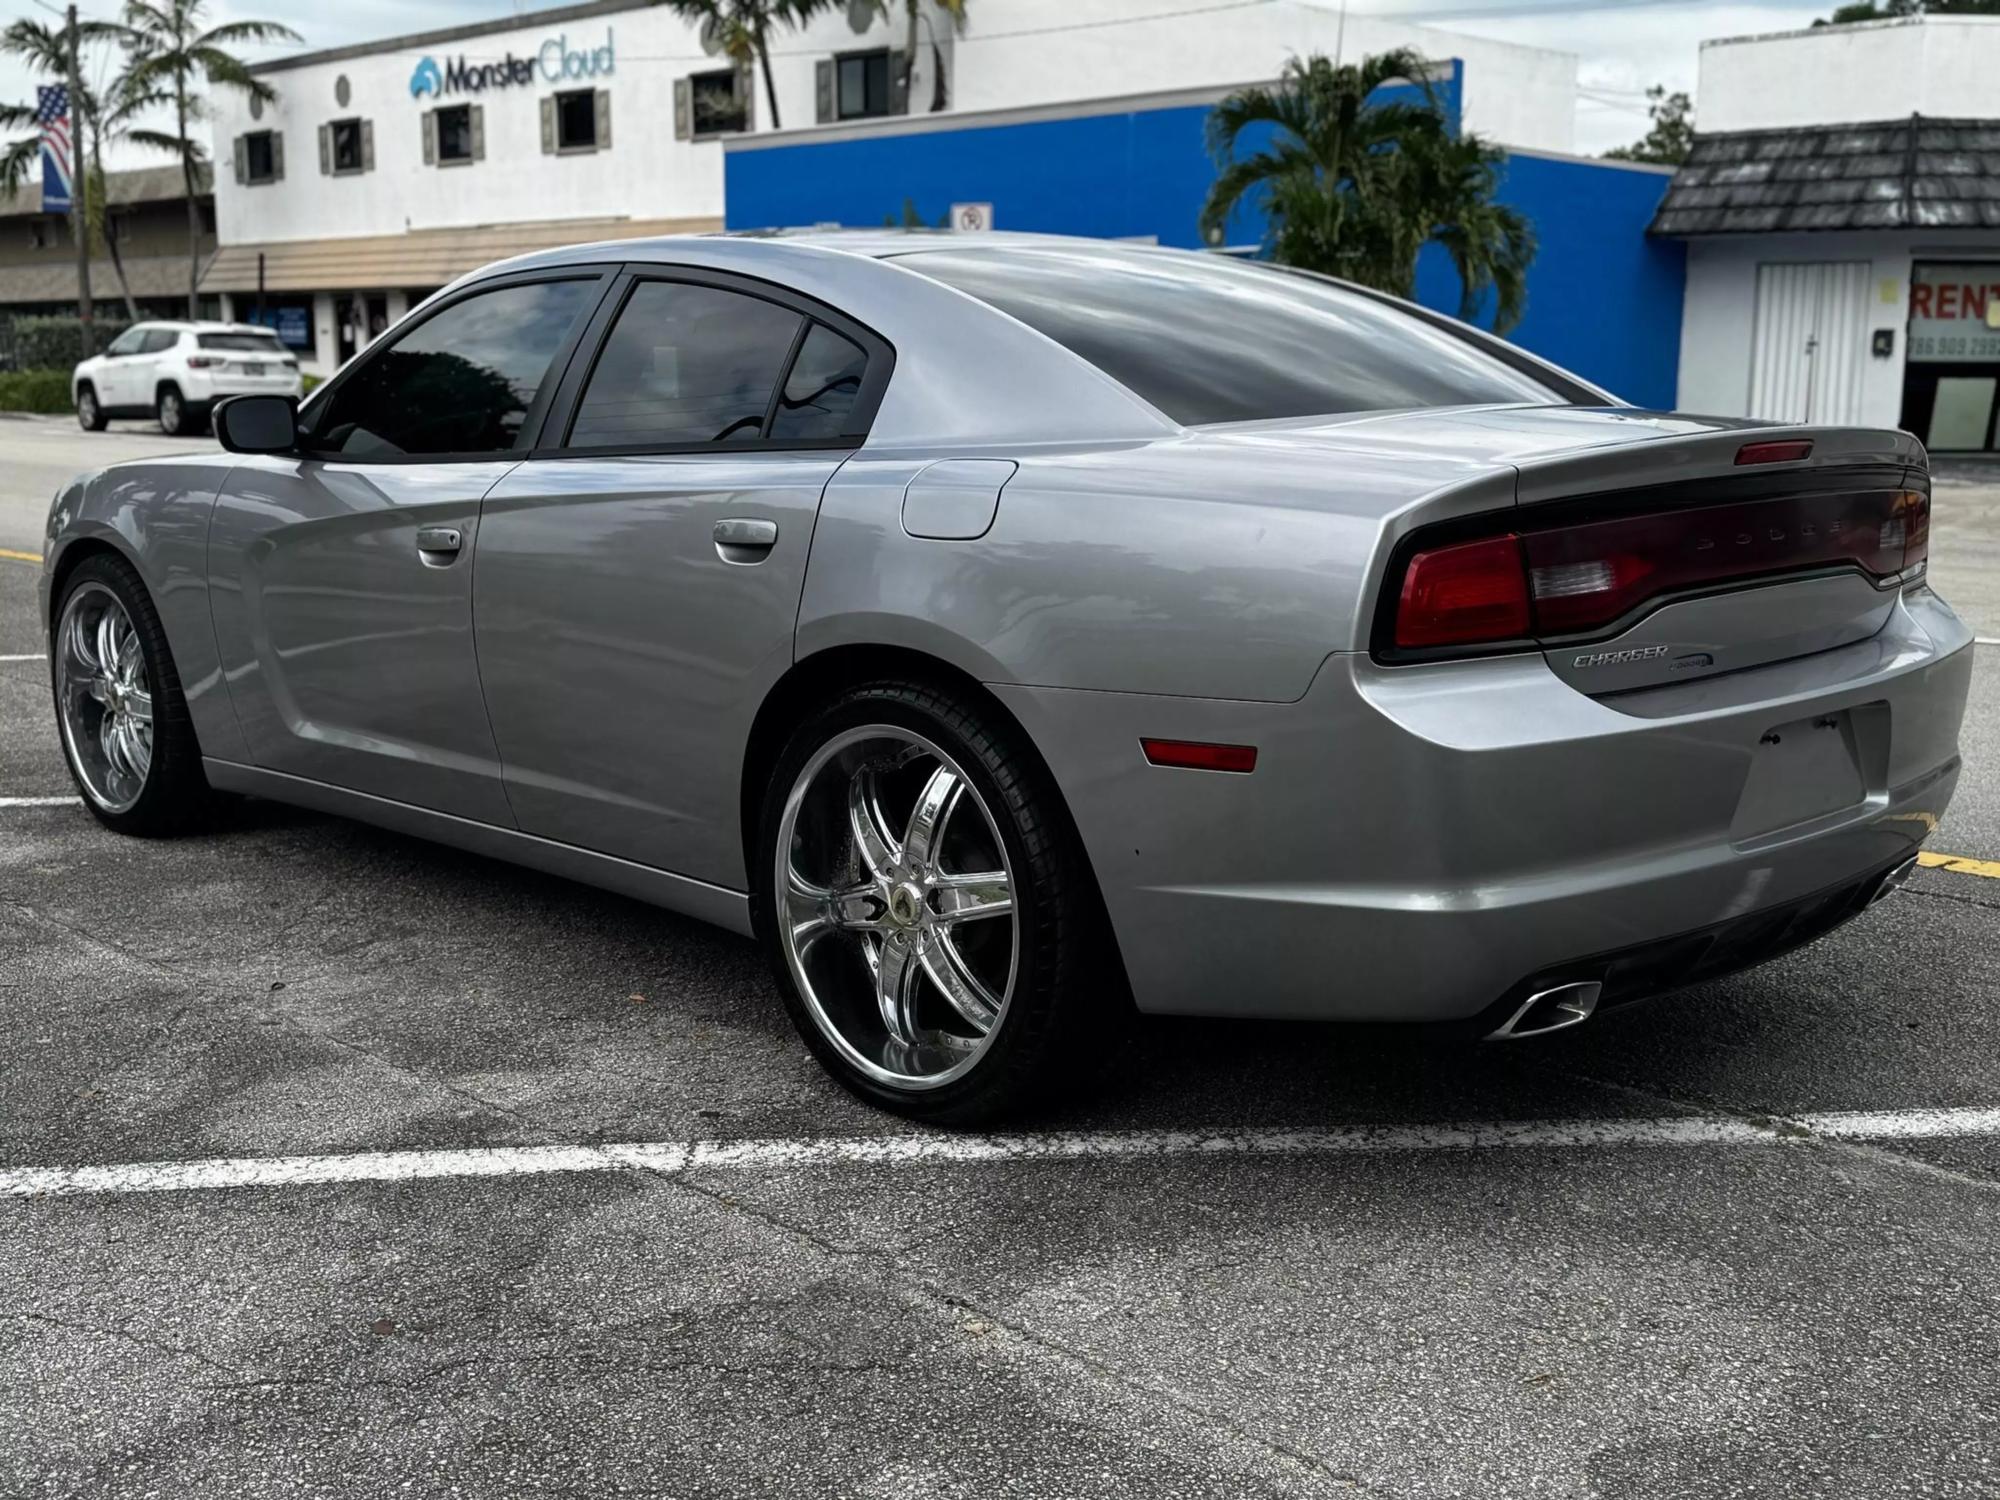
(740, 540)
(439, 545)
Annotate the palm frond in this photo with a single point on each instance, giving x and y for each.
(18, 159)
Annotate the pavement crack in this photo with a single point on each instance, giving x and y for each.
(158, 1346)
(938, 1299)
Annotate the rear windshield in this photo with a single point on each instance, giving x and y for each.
(1207, 339)
(244, 343)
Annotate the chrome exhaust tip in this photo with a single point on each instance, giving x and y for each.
(1554, 1009)
(1894, 881)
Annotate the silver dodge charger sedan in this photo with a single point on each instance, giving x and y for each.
(1005, 630)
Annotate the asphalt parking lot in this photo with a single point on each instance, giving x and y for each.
(493, 1185)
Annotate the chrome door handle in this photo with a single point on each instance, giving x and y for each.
(738, 540)
(439, 545)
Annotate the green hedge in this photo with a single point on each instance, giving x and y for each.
(54, 343)
(34, 390)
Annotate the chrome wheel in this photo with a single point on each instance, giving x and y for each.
(895, 907)
(103, 698)
(170, 413)
(86, 410)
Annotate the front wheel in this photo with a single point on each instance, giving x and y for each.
(931, 920)
(119, 708)
(171, 409)
(89, 415)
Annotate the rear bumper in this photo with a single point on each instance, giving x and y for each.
(1416, 844)
(203, 389)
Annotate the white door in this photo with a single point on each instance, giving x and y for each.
(1811, 341)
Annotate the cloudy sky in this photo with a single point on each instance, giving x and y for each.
(1625, 45)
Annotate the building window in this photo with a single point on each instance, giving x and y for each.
(719, 103)
(260, 157)
(454, 134)
(576, 120)
(862, 85)
(39, 234)
(346, 148)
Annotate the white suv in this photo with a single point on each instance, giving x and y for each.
(177, 371)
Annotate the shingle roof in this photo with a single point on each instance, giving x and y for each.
(1916, 173)
(139, 185)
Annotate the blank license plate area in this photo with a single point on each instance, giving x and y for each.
(1802, 771)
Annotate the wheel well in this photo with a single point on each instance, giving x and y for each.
(86, 384)
(164, 386)
(74, 556)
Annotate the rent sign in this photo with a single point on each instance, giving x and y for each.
(1955, 314)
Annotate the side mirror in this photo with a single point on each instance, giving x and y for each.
(257, 424)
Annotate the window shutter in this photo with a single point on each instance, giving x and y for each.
(277, 156)
(430, 137)
(683, 109)
(367, 145)
(479, 132)
(899, 83)
(548, 125)
(242, 159)
(823, 89)
(326, 151)
(603, 102)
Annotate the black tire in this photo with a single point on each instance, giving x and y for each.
(176, 797)
(89, 413)
(1058, 1024)
(170, 410)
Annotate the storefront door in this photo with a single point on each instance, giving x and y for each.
(1953, 374)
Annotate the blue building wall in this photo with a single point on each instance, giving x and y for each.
(1603, 300)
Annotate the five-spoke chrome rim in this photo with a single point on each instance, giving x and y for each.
(895, 906)
(104, 698)
(86, 407)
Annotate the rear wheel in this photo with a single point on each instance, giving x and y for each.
(89, 415)
(122, 717)
(931, 921)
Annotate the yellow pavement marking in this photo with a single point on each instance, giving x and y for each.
(26, 557)
(1958, 865)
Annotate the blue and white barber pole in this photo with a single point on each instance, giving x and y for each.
(52, 115)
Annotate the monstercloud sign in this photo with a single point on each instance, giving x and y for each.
(555, 61)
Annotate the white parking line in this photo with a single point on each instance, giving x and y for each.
(40, 801)
(676, 1158)
(31, 656)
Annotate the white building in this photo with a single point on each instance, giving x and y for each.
(1842, 213)
(383, 171)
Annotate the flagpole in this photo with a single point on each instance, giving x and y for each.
(79, 221)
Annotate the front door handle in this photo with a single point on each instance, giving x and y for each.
(739, 540)
(438, 546)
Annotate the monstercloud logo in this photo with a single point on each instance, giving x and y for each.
(427, 79)
(554, 61)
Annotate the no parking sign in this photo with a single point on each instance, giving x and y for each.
(971, 218)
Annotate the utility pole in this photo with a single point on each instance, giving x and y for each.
(79, 219)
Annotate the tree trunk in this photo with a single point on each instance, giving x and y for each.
(764, 62)
(111, 238)
(193, 201)
(910, 54)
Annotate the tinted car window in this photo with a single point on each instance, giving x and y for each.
(248, 343)
(131, 341)
(685, 364)
(159, 340)
(459, 382)
(821, 390)
(1212, 340)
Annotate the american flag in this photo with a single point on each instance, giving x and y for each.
(52, 114)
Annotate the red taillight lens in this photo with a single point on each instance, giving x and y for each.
(203, 361)
(1916, 508)
(1465, 595)
(1194, 755)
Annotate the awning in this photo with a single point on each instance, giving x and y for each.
(421, 258)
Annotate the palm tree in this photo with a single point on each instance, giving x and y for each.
(743, 29)
(1355, 188)
(168, 47)
(103, 118)
(912, 9)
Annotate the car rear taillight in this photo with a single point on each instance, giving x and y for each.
(1464, 595)
(1569, 580)
(204, 361)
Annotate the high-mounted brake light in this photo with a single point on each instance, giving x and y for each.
(1465, 595)
(1194, 755)
(1774, 453)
